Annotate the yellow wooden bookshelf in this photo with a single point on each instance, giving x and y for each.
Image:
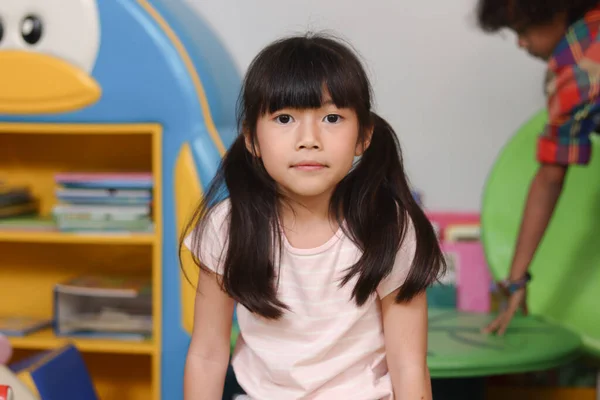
(33, 262)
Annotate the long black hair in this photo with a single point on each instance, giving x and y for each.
(494, 15)
(374, 199)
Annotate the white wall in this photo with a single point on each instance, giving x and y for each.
(453, 94)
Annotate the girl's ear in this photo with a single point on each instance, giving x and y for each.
(250, 145)
(363, 145)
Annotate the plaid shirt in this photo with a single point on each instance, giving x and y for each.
(573, 91)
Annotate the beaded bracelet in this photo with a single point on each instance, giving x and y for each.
(509, 287)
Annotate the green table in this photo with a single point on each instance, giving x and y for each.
(457, 348)
(460, 356)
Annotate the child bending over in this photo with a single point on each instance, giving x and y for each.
(564, 34)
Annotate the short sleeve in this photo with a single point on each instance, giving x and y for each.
(211, 248)
(402, 264)
(573, 111)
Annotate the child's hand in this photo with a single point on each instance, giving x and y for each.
(515, 301)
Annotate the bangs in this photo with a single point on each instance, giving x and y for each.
(300, 73)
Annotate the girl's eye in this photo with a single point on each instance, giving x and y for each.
(333, 118)
(283, 119)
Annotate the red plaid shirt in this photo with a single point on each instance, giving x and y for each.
(573, 91)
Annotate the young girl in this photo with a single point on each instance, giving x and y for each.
(310, 226)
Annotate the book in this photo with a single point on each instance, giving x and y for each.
(104, 202)
(14, 210)
(85, 217)
(104, 196)
(67, 225)
(22, 325)
(14, 195)
(77, 192)
(28, 223)
(126, 180)
(122, 212)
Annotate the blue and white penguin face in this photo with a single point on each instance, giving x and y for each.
(67, 29)
(48, 49)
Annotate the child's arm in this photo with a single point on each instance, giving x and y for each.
(208, 354)
(543, 196)
(405, 331)
(541, 201)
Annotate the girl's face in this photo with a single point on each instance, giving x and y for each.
(308, 151)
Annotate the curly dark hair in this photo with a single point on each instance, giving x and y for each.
(493, 15)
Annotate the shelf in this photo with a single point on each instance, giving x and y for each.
(79, 129)
(45, 339)
(32, 261)
(77, 238)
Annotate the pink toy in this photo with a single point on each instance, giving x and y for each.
(473, 277)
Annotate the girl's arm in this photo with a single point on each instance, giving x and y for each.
(208, 354)
(405, 331)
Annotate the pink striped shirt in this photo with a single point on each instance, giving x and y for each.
(326, 347)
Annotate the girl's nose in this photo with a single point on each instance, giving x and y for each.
(309, 137)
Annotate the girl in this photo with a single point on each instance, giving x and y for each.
(310, 226)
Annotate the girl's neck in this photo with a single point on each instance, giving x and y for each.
(307, 222)
(305, 210)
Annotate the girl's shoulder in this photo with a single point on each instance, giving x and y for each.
(218, 216)
(213, 227)
(208, 238)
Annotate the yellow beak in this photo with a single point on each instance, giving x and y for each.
(34, 83)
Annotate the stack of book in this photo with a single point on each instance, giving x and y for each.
(16, 201)
(104, 202)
